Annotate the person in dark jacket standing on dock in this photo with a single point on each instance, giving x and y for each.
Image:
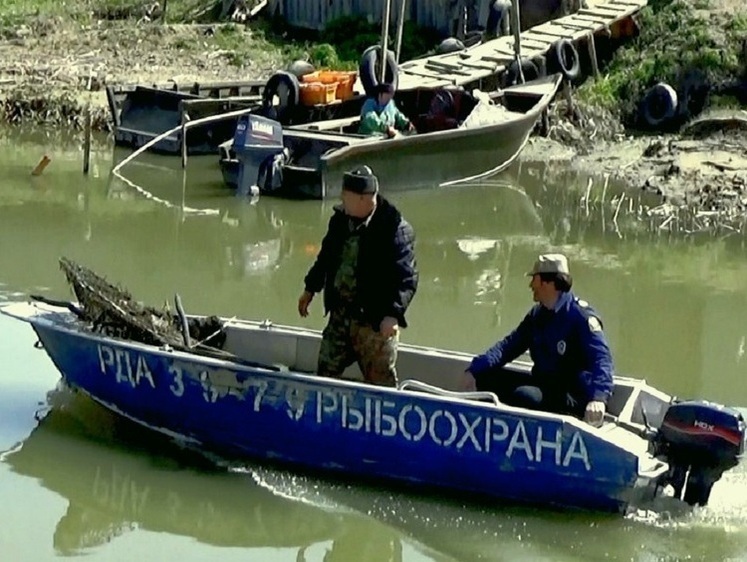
(366, 266)
(572, 365)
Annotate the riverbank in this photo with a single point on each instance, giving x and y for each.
(698, 161)
(53, 67)
(55, 64)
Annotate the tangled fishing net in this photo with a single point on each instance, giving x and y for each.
(112, 311)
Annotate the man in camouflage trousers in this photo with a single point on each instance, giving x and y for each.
(367, 269)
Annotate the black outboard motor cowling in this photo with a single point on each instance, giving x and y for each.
(258, 145)
(700, 440)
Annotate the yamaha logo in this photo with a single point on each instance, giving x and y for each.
(262, 128)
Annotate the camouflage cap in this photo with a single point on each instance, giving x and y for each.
(550, 263)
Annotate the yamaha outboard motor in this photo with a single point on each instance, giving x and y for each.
(258, 145)
(700, 440)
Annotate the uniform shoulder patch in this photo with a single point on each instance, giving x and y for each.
(594, 324)
(582, 303)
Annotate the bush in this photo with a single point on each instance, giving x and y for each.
(351, 35)
(676, 39)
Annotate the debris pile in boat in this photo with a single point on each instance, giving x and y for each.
(112, 311)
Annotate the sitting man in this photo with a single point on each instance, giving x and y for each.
(380, 114)
(572, 366)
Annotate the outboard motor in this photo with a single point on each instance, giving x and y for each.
(700, 440)
(258, 145)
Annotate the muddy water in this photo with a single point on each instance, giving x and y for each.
(82, 483)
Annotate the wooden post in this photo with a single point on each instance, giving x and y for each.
(87, 141)
(516, 26)
(592, 54)
(87, 126)
(165, 7)
(39, 168)
(384, 38)
(400, 28)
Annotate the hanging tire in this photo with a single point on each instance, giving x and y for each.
(450, 45)
(368, 73)
(499, 14)
(300, 68)
(659, 105)
(529, 69)
(566, 56)
(282, 94)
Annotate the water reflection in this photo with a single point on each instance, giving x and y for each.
(672, 304)
(120, 479)
(469, 532)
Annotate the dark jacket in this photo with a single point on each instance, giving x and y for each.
(567, 346)
(386, 276)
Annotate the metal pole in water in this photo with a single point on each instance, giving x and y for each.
(87, 141)
(400, 28)
(516, 26)
(384, 38)
(185, 118)
(87, 127)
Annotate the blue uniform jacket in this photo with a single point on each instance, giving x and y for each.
(567, 346)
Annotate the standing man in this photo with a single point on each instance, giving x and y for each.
(367, 269)
(572, 366)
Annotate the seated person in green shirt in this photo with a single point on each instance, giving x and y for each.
(380, 115)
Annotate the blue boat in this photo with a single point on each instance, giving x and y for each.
(255, 395)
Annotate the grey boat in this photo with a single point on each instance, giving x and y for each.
(461, 135)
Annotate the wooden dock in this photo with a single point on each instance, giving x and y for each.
(493, 57)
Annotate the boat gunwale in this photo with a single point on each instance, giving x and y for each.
(40, 315)
(356, 149)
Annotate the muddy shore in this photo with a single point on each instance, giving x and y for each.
(48, 65)
(703, 168)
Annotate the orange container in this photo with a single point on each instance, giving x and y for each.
(345, 83)
(317, 93)
(345, 88)
(323, 76)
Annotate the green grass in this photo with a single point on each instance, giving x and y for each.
(339, 46)
(675, 37)
(177, 11)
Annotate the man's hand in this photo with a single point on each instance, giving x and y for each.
(303, 303)
(595, 413)
(467, 382)
(391, 132)
(410, 127)
(389, 326)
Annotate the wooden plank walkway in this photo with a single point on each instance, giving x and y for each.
(494, 56)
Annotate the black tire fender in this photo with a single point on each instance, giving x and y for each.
(300, 68)
(568, 60)
(284, 87)
(659, 105)
(529, 69)
(367, 69)
(499, 14)
(450, 45)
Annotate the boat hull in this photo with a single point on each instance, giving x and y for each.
(493, 451)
